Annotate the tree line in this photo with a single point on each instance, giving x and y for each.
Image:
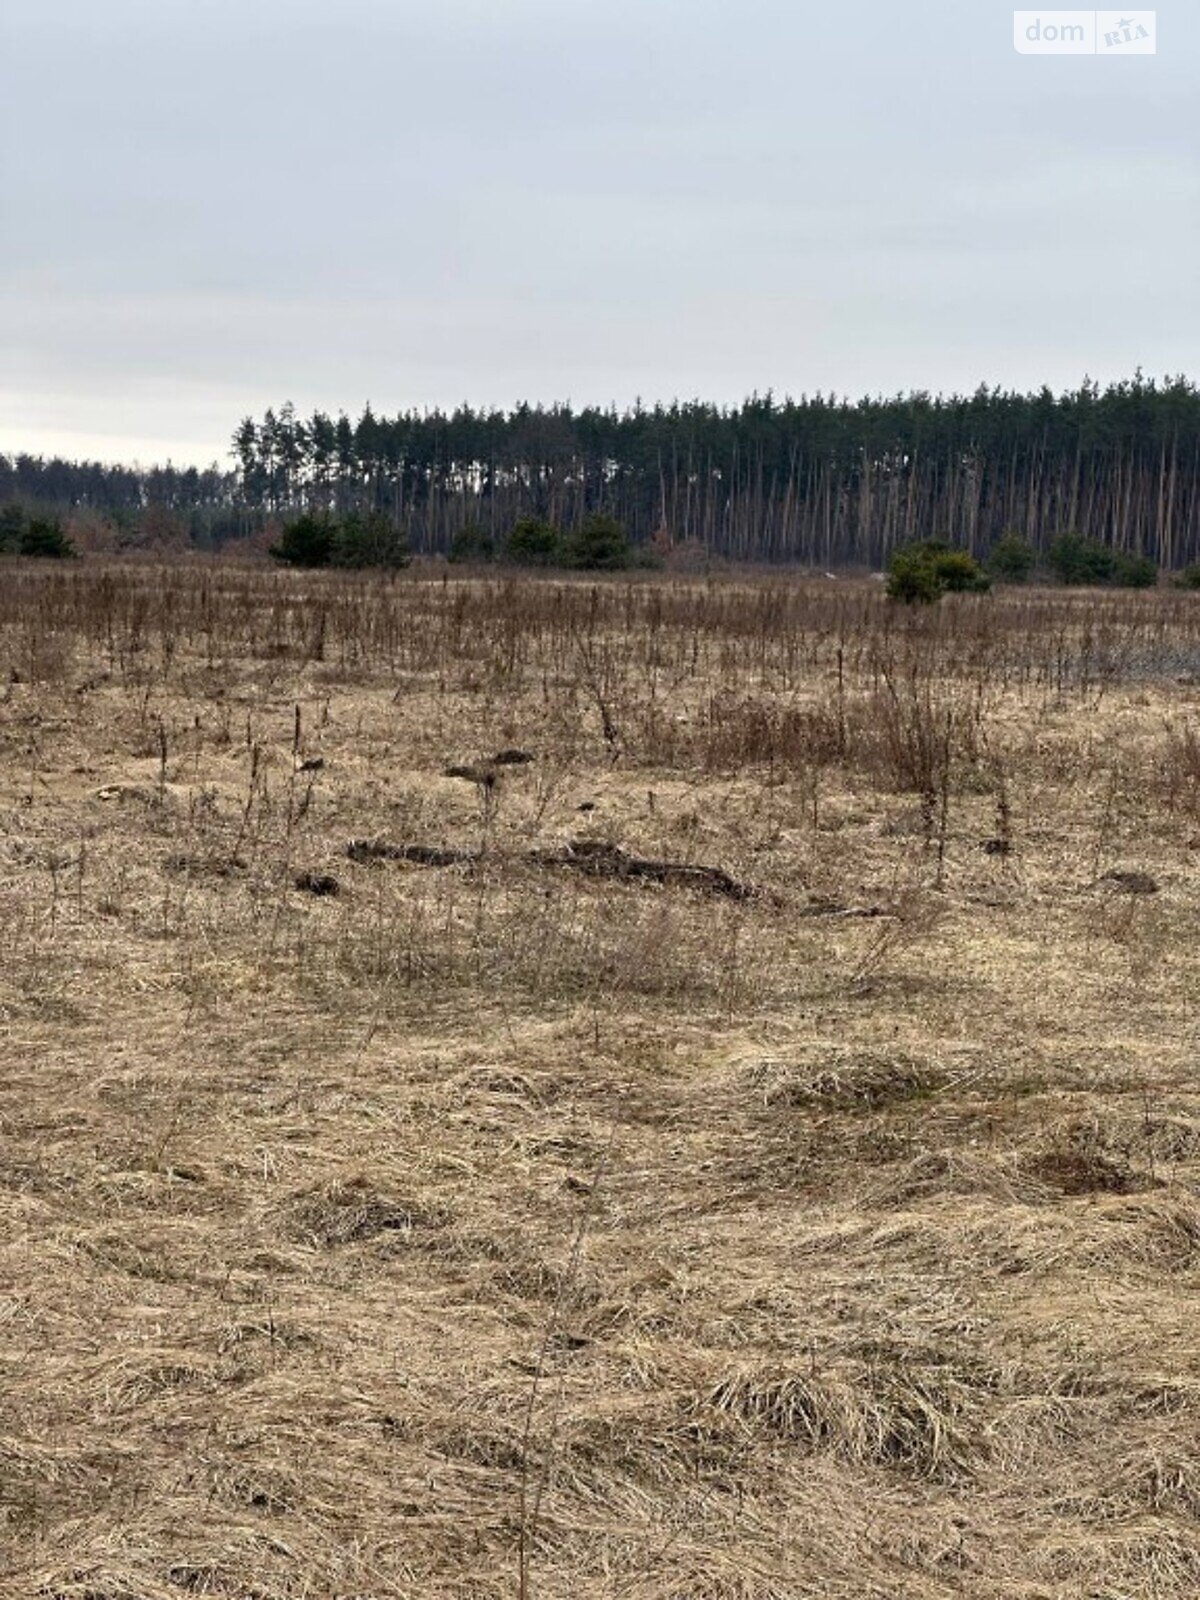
(132, 506)
(821, 481)
(818, 480)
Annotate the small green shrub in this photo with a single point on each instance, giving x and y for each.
(306, 542)
(1076, 560)
(1012, 559)
(23, 535)
(920, 573)
(43, 536)
(1133, 571)
(372, 540)
(960, 573)
(533, 543)
(472, 543)
(1189, 578)
(912, 579)
(12, 526)
(647, 558)
(600, 544)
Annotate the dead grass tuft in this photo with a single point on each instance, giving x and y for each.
(902, 1417)
(844, 1080)
(352, 1211)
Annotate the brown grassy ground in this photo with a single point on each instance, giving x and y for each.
(500, 1230)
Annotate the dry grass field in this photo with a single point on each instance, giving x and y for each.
(475, 1213)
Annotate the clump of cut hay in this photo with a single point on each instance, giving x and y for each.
(352, 1211)
(843, 1080)
(943, 1174)
(916, 1420)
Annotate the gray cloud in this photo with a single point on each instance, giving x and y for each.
(210, 208)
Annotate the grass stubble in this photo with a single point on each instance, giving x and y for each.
(499, 1229)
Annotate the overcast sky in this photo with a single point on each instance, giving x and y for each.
(212, 206)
